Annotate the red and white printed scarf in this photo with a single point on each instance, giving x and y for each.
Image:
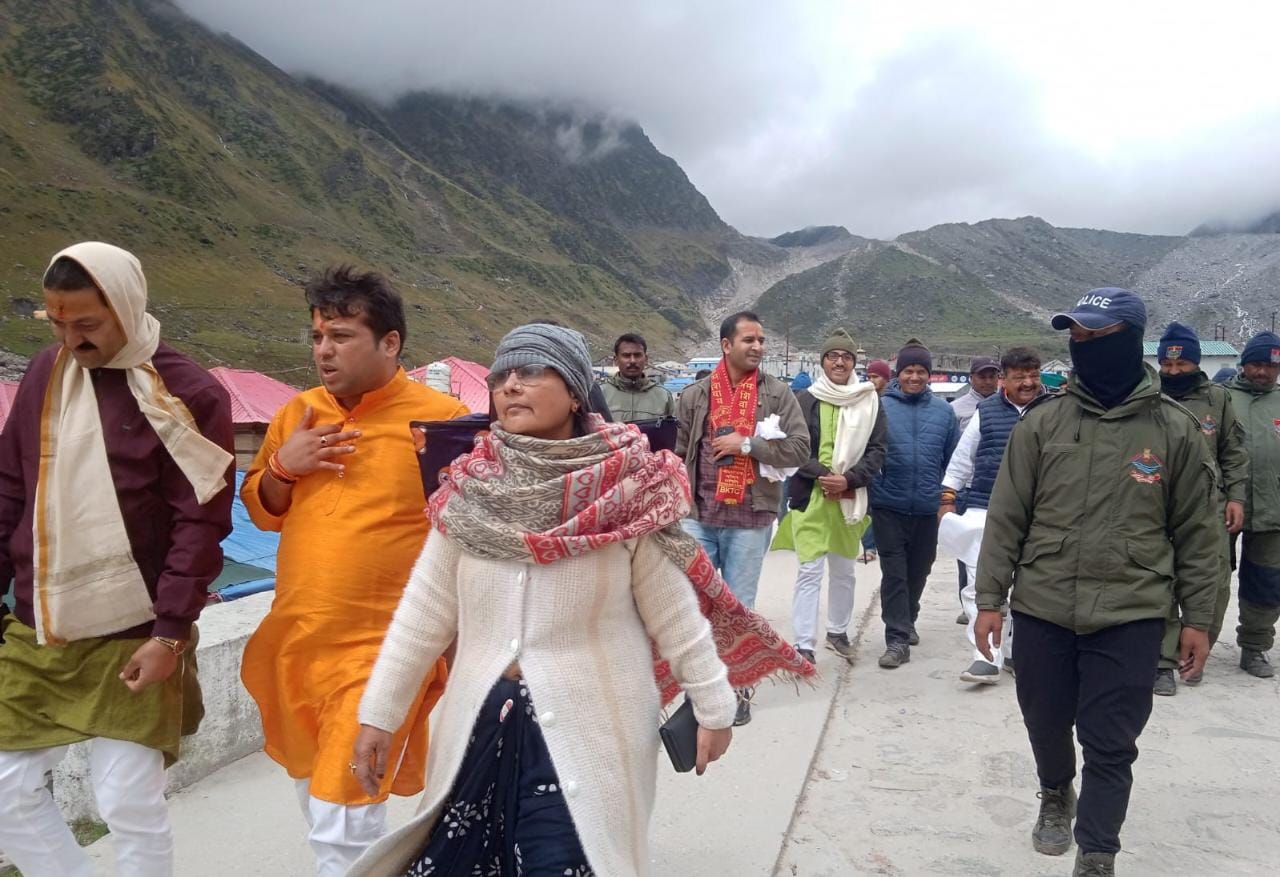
(735, 407)
(535, 500)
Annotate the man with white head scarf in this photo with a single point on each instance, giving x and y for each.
(115, 468)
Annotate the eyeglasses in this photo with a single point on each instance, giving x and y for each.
(526, 376)
(839, 357)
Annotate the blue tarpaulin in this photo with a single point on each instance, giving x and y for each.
(250, 554)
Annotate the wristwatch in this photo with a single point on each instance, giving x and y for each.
(177, 646)
(746, 447)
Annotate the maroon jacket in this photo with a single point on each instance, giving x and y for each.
(175, 540)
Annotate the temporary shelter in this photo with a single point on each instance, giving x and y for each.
(255, 398)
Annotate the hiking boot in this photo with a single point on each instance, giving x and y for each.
(807, 654)
(913, 638)
(839, 643)
(895, 656)
(1255, 663)
(1094, 864)
(743, 715)
(1165, 685)
(962, 619)
(1052, 834)
(981, 673)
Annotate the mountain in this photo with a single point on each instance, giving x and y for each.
(128, 122)
(968, 287)
(1269, 224)
(233, 181)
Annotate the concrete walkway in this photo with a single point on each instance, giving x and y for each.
(921, 774)
(904, 772)
(244, 819)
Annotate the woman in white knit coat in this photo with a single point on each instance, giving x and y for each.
(556, 556)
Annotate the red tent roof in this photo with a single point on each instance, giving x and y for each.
(255, 398)
(8, 391)
(466, 381)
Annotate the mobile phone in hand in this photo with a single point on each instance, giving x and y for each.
(728, 459)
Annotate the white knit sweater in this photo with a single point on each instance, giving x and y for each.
(580, 630)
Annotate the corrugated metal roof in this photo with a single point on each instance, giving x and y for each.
(1207, 348)
(466, 381)
(255, 398)
(8, 392)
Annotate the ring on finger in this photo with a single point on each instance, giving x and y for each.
(353, 766)
(324, 441)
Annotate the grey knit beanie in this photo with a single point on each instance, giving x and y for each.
(565, 350)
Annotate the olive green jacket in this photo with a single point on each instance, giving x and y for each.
(645, 399)
(1102, 517)
(1211, 406)
(1259, 413)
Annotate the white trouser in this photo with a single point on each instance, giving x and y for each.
(128, 783)
(339, 834)
(969, 598)
(806, 604)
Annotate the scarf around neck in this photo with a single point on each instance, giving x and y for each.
(87, 583)
(735, 407)
(858, 404)
(537, 501)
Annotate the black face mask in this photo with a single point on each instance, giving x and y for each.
(1178, 386)
(1110, 366)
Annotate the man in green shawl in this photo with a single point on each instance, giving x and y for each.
(828, 496)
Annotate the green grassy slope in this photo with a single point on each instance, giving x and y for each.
(127, 122)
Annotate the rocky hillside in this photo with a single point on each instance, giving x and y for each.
(970, 287)
(126, 121)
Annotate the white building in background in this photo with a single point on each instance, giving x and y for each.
(1213, 356)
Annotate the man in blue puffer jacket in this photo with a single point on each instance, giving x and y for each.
(923, 432)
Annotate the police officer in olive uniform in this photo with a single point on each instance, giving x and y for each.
(1104, 505)
(1257, 402)
(1210, 404)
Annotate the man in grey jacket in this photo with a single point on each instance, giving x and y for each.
(734, 505)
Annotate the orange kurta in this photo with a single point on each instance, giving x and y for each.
(346, 548)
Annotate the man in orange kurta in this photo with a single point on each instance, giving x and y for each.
(338, 477)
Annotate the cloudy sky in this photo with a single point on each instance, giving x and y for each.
(881, 117)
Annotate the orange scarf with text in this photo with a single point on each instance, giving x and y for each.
(735, 407)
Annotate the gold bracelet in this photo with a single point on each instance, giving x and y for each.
(177, 646)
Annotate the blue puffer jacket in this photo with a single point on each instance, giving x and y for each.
(923, 432)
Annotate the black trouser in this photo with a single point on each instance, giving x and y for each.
(908, 545)
(963, 572)
(1100, 683)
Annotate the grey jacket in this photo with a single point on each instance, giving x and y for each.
(773, 397)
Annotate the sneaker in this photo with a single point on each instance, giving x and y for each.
(807, 654)
(1052, 833)
(1094, 864)
(1008, 666)
(962, 619)
(981, 673)
(913, 639)
(839, 643)
(1194, 679)
(1255, 663)
(1166, 685)
(743, 715)
(895, 656)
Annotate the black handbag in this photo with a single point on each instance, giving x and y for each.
(680, 737)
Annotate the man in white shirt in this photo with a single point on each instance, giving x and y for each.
(971, 476)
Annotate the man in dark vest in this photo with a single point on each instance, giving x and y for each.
(972, 472)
